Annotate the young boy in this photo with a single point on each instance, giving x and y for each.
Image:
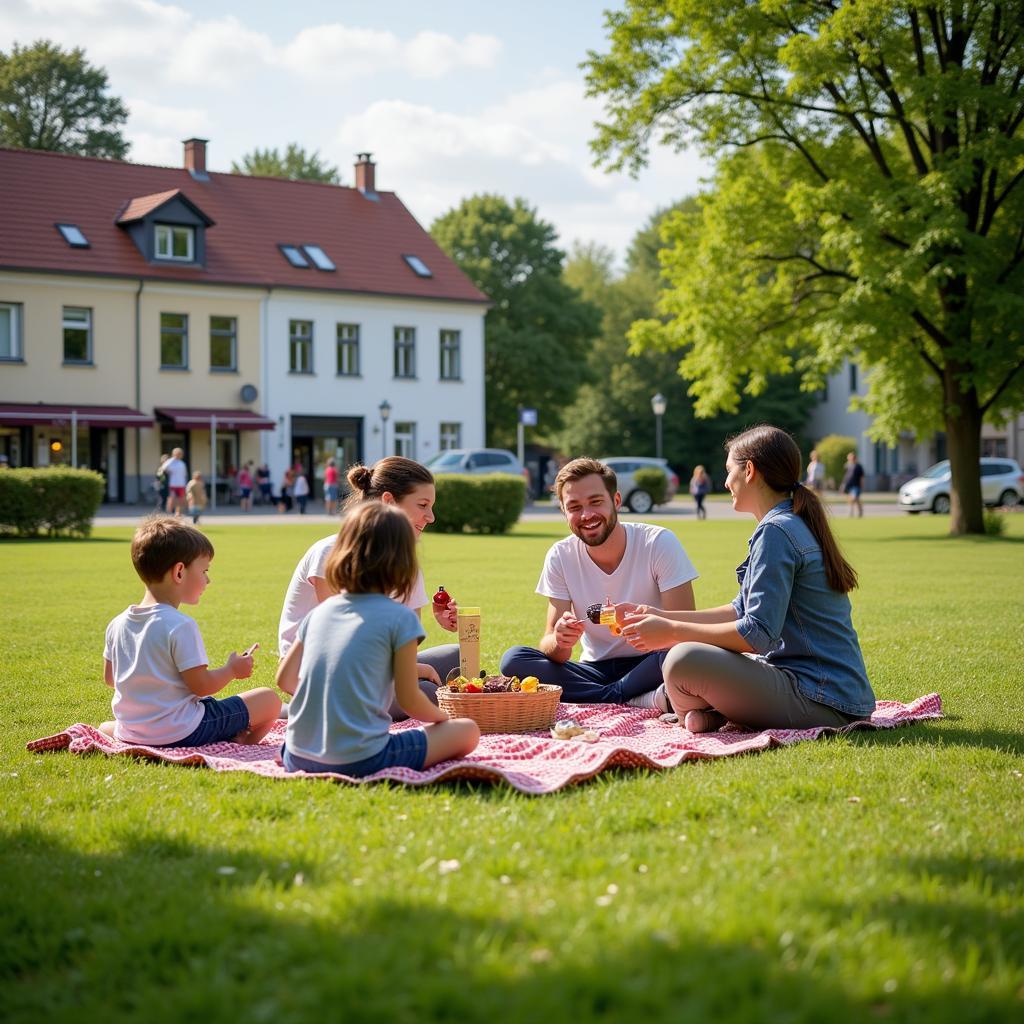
(154, 657)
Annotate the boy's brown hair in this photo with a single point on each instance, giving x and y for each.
(161, 542)
(375, 552)
(579, 468)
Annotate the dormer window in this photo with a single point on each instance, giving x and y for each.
(73, 235)
(174, 242)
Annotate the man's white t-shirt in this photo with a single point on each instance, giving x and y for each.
(148, 649)
(177, 472)
(654, 561)
(300, 598)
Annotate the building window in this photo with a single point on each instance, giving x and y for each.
(853, 378)
(300, 346)
(418, 267)
(175, 243)
(320, 259)
(405, 351)
(223, 343)
(451, 362)
(173, 341)
(10, 331)
(451, 436)
(77, 326)
(405, 440)
(348, 350)
(294, 256)
(73, 235)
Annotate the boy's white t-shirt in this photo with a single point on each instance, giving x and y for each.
(654, 562)
(148, 649)
(300, 598)
(177, 472)
(301, 488)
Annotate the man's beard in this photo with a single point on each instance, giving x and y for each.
(599, 538)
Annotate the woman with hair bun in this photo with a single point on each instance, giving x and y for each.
(409, 486)
(784, 654)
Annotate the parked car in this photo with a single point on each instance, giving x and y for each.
(635, 498)
(1002, 483)
(478, 460)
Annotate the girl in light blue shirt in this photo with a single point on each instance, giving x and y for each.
(356, 652)
(784, 654)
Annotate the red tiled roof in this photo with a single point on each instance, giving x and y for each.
(227, 419)
(366, 239)
(39, 413)
(140, 206)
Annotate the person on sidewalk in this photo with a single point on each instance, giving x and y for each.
(195, 493)
(853, 479)
(177, 480)
(602, 559)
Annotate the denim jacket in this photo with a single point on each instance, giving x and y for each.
(792, 619)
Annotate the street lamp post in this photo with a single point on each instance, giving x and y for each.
(658, 404)
(385, 411)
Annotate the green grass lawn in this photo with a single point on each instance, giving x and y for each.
(875, 876)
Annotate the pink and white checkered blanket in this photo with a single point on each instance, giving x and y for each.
(531, 762)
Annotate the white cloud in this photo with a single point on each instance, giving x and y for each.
(182, 121)
(139, 39)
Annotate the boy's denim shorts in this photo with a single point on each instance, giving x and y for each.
(222, 720)
(405, 749)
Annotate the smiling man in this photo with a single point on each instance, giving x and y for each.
(632, 563)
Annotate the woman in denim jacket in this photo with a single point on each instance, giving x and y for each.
(784, 654)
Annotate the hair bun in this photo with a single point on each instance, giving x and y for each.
(360, 478)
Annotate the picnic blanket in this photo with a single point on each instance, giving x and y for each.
(533, 763)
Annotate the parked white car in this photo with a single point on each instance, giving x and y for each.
(636, 499)
(1002, 483)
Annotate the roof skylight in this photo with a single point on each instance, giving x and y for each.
(419, 267)
(73, 236)
(293, 254)
(319, 257)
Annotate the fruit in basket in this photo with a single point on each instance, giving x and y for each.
(473, 686)
(530, 684)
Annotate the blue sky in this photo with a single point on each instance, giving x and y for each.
(452, 98)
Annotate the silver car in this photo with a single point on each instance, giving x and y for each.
(478, 460)
(1002, 483)
(636, 499)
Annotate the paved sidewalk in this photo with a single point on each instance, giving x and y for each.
(543, 511)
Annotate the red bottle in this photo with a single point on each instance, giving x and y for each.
(442, 598)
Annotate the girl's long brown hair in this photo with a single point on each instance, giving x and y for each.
(777, 457)
(374, 553)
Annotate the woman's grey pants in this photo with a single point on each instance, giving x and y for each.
(747, 691)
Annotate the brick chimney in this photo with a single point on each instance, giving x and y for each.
(365, 178)
(195, 158)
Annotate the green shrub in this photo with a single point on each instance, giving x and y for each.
(995, 522)
(55, 499)
(490, 503)
(832, 452)
(654, 482)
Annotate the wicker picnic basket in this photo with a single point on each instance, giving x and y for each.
(504, 712)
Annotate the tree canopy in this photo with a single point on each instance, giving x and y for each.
(295, 164)
(539, 328)
(612, 414)
(53, 99)
(868, 200)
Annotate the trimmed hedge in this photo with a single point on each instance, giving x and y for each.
(55, 499)
(654, 482)
(490, 503)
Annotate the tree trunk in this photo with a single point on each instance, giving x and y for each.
(963, 434)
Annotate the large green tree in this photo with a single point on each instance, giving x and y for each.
(539, 328)
(612, 414)
(873, 205)
(294, 163)
(54, 99)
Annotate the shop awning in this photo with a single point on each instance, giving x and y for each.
(39, 413)
(226, 419)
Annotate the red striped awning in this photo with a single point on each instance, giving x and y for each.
(226, 419)
(40, 413)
